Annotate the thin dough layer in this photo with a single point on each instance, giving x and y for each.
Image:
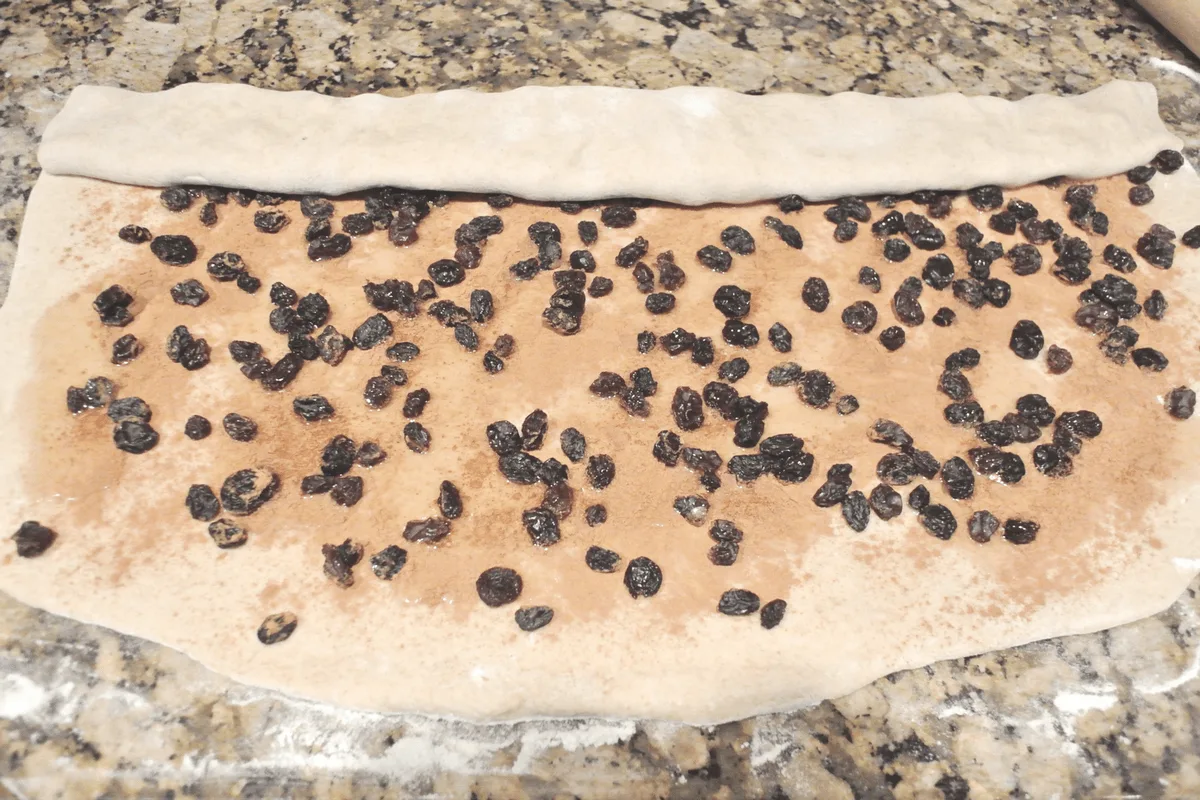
(685, 145)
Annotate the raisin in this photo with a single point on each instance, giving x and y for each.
(1140, 195)
(732, 301)
(958, 479)
(788, 234)
(134, 234)
(831, 493)
(173, 250)
(370, 455)
(738, 603)
(1008, 468)
(498, 586)
(986, 198)
(892, 338)
(1149, 359)
(239, 428)
(688, 409)
(1167, 161)
(277, 377)
(714, 258)
(347, 491)
(888, 225)
(303, 346)
(643, 578)
(816, 388)
(197, 428)
(856, 511)
(790, 203)
(938, 520)
(1020, 531)
(965, 414)
(815, 294)
(416, 437)
(896, 250)
(247, 490)
(403, 352)
(1026, 339)
(860, 317)
(918, 498)
(982, 526)
(667, 448)
(786, 374)
(885, 502)
(1180, 402)
(845, 231)
(1116, 345)
(372, 332)
(772, 614)
(739, 334)
(692, 508)
(1157, 250)
(1191, 237)
(998, 433)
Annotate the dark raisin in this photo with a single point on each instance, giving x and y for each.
(134, 234)
(1026, 339)
(247, 490)
(1140, 195)
(965, 414)
(588, 232)
(239, 428)
(416, 437)
(772, 614)
(831, 493)
(329, 247)
(1008, 468)
(643, 578)
(1157, 250)
(889, 224)
(607, 384)
(791, 203)
(174, 250)
(1180, 402)
(732, 301)
(982, 526)
(600, 471)
(372, 332)
(542, 527)
(270, 221)
(692, 508)
(892, 338)
(938, 520)
(788, 234)
(618, 216)
(714, 258)
(643, 380)
(1020, 531)
(886, 501)
(739, 334)
(816, 388)
(738, 240)
(660, 302)
(1191, 237)
(688, 408)
(869, 278)
(1167, 161)
(895, 250)
(815, 294)
(1149, 359)
(986, 198)
(860, 317)
(498, 586)
(785, 374)
(845, 231)
(1116, 345)
(202, 503)
(667, 448)
(738, 603)
(197, 428)
(370, 455)
(347, 491)
(734, 369)
(997, 292)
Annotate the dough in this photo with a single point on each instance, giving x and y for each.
(684, 145)
(1118, 539)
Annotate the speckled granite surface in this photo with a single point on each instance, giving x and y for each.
(84, 712)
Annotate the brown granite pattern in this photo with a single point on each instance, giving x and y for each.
(84, 712)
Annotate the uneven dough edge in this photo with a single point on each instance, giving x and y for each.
(686, 145)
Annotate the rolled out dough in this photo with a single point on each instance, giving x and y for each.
(685, 145)
(861, 605)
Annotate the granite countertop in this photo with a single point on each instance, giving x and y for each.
(86, 712)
